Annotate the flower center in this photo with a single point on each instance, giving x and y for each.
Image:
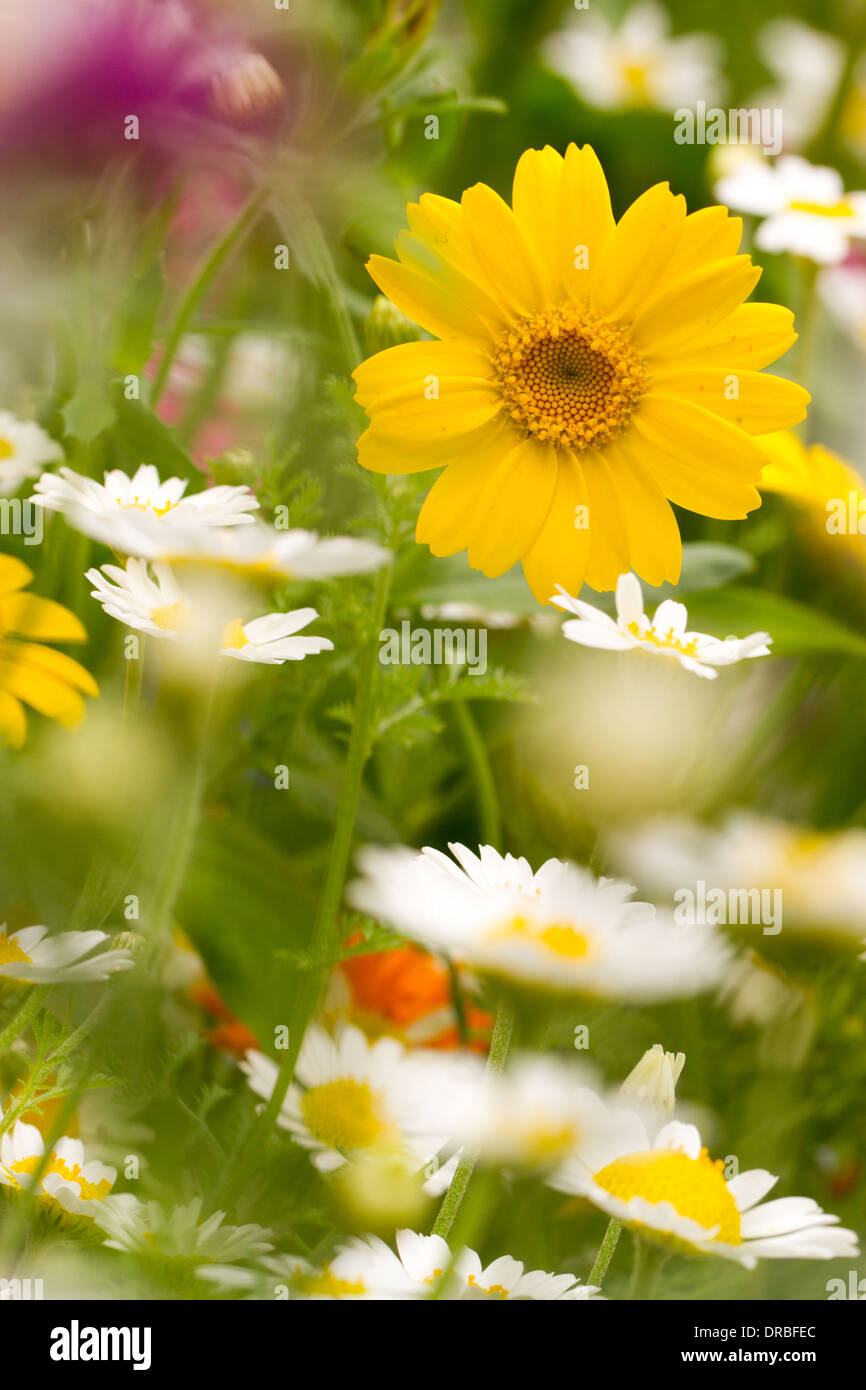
(343, 1114)
(487, 1291)
(11, 953)
(823, 209)
(234, 637)
(569, 377)
(665, 641)
(695, 1187)
(88, 1191)
(6, 449)
(325, 1284)
(172, 617)
(143, 505)
(559, 937)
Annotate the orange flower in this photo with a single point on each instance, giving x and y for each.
(407, 990)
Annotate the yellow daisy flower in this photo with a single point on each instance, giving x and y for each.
(589, 372)
(31, 674)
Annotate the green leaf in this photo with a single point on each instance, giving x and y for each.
(147, 440)
(706, 565)
(794, 628)
(135, 321)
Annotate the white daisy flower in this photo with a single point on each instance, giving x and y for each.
(356, 1099)
(267, 552)
(559, 929)
(672, 1192)
(820, 876)
(32, 956)
(136, 516)
(145, 1228)
(367, 1268)
(25, 449)
(806, 64)
(665, 636)
(153, 601)
(637, 64)
(805, 207)
(78, 1186)
(529, 1116)
(653, 1081)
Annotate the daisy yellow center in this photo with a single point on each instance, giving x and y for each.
(636, 78)
(343, 1114)
(137, 505)
(172, 617)
(694, 1187)
(325, 1284)
(823, 209)
(235, 638)
(559, 937)
(491, 1290)
(667, 641)
(568, 377)
(11, 953)
(89, 1191)
(6, 449)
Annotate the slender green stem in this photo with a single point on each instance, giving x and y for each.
(482, 774)
(325, 929)
(605, 1252)
(22, 1018)
(499, 1045)
(212, 265)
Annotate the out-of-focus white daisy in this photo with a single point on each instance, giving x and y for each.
(821, 876)
(355, 1099)
(672, 1192)
(637, 64)
(842, 289)
(754, 991)
(559, 929)
(666, 635)
(25, 449)
(153, 601)
(135, 516)
(806, 64)
(804, 206)
(34, 957)
(267, 552)
(78, 1186)
(367, 1268)
(529, 1116)
(653, 1081)
(206, 1247)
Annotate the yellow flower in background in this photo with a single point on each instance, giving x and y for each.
(31, 674)
(812, 475)
(589, 372)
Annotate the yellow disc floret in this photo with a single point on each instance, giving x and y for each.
(569, 377)
(343, 1114)
(694, 1187)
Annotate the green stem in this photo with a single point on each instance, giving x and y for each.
(605, 1252)
(22, 1017)
(325, 928)
(499, 1045)
(482, 774)
(210, 268)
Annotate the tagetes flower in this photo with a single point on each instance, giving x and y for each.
(673, 1193)
(30, 673)
(589, 372)
(408, 991)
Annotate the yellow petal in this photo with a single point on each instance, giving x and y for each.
(513, 506)
(654, 544)
(535, 198)
(699, 437)
(500, 246)
(560, 553)
(44, 692)
(14, 574)
(42, 618)
(585, 219)
(447, 304)
(13, 720)
(450, 515)
(395, 451)
(410, 364)
(709, 234)
(753, 336)
(690, 466)
(608, 541)
(440, 223)
(693, 305)
(754, 401)
(639, 251)
(56, 664)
